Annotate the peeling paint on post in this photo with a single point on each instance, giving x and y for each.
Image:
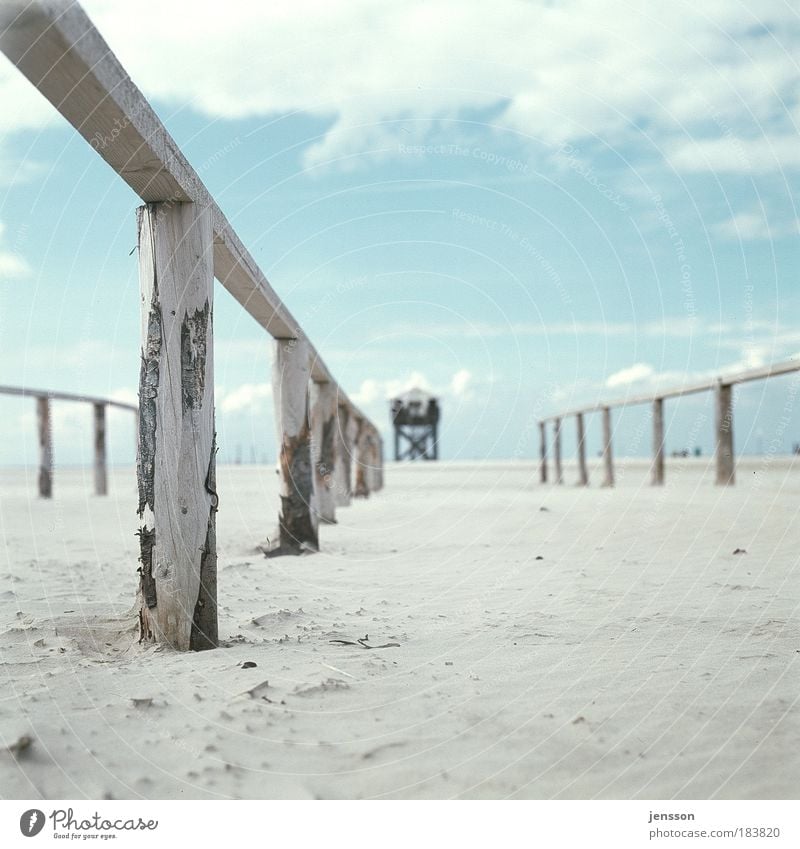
(297, 521)
(175, 456)
(45, 433)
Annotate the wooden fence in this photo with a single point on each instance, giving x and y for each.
(44, 433)
(185, 242)
(723, 427)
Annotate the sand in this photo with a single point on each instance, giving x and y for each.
(554, 642)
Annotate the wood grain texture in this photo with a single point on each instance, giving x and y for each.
(176, 451)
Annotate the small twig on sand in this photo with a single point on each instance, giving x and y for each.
(364, 643)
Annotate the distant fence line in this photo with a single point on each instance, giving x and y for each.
(185, 242)
(723, 426)
(44, 432)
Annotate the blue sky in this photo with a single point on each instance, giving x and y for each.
(520, 208)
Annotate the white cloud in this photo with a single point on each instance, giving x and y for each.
(12, 265)
(751, 226)
(460, 384)
(372, 391)
(759, 155)
(248, 396)
(577, 70)
(632, 374)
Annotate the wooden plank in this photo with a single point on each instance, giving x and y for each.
(583, 472)
(761, 373)
(723, 419)
(25, 392)
(45, 438)
(657, 474)
(297, 521)
(323, 438)
(100, 472)
(608, 453)
(176, 455)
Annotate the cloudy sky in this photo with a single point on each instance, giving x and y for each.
(519, 206)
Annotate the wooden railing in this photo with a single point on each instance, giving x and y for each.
(723, 426)
(44, 433)
(185, 242)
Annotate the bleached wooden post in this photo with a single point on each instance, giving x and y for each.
(726, 474)
(100, 473)
(341, 470)
(657, 475)
(323, 437)
(380, 462)
(608, 453)
(176, 450)
(543, 452)
(45, 433)
(557, 451)
(362, 460)
(583, 473)
(297, 522)
(373, 460)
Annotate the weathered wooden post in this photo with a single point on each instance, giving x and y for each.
(557, 451)
(380, 462)
(175, 458)
(543, 452)
(608, 454)
(373, 457)
(323, 438)
(341, 470)
(100, 473)
(726, 474)
(657, 474)
(362, 459)
(297, 522)
(583, 473)
(45, 432)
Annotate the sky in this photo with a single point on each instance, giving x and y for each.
(518, 207)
